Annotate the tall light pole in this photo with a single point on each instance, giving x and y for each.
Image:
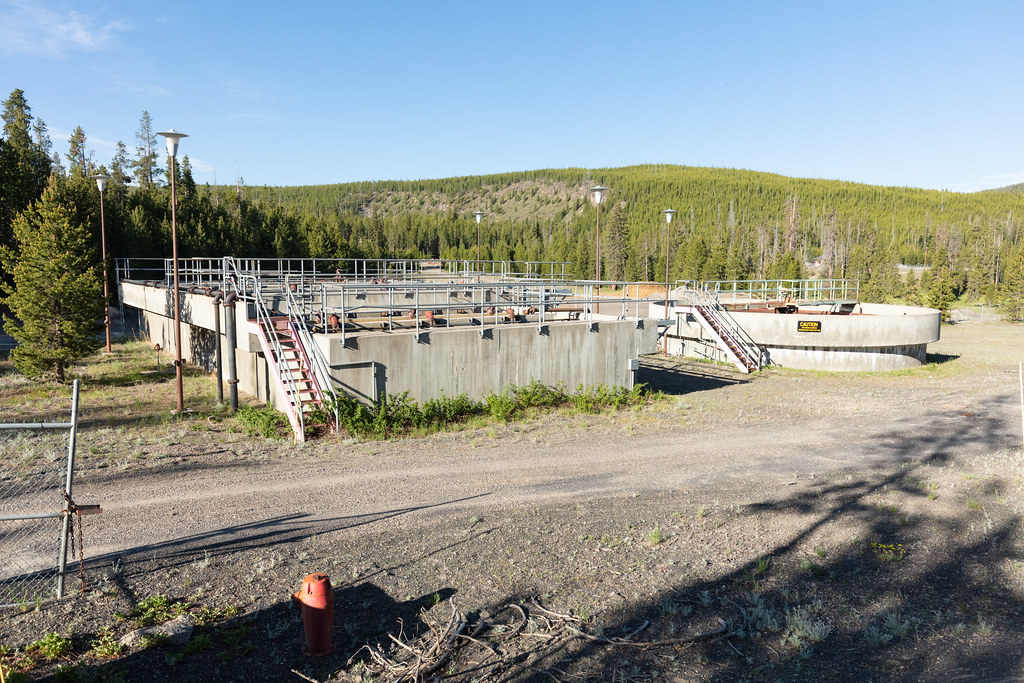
(598, 193)
(478, 215)
(101, 183)
(668, 214)
(172, 137)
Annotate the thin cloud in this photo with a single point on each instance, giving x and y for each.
(29, 28)
(118, 84)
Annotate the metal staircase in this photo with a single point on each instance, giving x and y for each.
(741, 350)
(294, 361)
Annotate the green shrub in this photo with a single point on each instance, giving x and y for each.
(502, 406)
(265, 421)
(538, 395)
(398, 415)
(446, 410)
(51, 646)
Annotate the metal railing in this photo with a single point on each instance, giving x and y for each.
(311, 351)
(275, 353)
(752, 292)
(211, 272)
(36, 478)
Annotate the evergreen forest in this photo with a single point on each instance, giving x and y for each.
(731, 224)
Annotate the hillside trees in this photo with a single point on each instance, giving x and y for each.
(24, 162)
(731, 224)
(1012, 299)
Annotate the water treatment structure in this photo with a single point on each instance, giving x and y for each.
(297, 331)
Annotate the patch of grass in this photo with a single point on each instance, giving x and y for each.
(209, 615)
(812, 568)
(887, 506)
(105, 645)
(51, 646)
(153, 640)
(264, 421)
(803, 626)
(973, 503)
(154, 610)
(888, 552)
(654, 536)
(397, 415)
(198, 643)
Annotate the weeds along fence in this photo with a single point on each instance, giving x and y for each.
(37, 463)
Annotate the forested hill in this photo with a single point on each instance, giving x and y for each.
(1018, 188)
(731, 223)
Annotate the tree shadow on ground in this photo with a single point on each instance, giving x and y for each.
(869, 586)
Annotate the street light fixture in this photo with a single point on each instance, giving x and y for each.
(668, 214)
(101, 183)
(173, 137)
(478, 215)
(598, 193)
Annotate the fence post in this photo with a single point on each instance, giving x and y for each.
(62, 561)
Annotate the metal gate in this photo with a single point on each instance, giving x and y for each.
(37, 464)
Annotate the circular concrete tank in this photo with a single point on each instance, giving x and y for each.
(873, 337)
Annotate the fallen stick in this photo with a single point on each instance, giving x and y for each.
(655, 643)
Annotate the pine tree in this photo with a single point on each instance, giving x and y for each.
(145, 163)
(1013, 288)
(56, 297)
(615, 252)
(119, 178)
(80, 162)
(24, 163)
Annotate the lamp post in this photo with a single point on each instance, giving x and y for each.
(668, 214)
(101, 183)
(478, 215)
(172, 137)
(598, 193)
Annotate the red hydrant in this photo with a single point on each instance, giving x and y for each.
(317, 599)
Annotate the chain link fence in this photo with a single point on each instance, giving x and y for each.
(35, 459)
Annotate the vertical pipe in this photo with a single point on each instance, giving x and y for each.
(216, 337)
(62, 561)
(229, 322)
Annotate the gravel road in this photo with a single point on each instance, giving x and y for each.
(777, 428)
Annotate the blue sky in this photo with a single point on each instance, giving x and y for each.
(919, 94)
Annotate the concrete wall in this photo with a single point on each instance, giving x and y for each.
(460, 361)
(455, 360)
(881, 337)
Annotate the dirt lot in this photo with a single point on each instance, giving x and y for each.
(841, 527)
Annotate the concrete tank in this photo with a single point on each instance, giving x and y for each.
(874, 337)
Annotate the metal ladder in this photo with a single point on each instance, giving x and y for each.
(741, 350)
(288, 363)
